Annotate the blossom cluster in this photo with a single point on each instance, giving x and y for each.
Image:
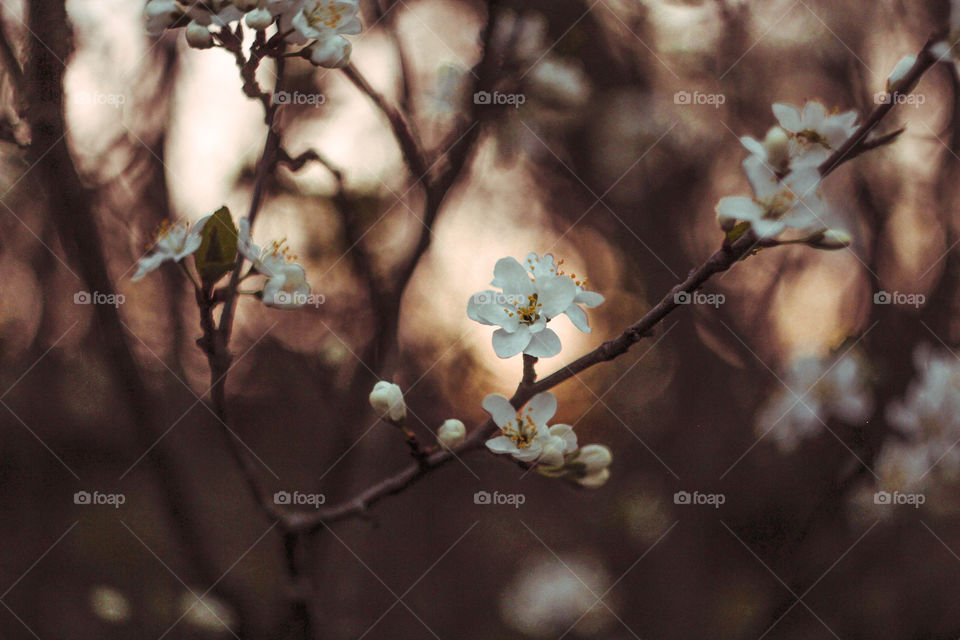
(285, 286)
(928, 419)
(783, 171)
(524, 435)
(318, 25)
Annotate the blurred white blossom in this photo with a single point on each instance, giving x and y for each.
(109, 604)
(777, 204)
(207, 612)
(551, 595)
(818, 390)
(813, 127)
(929, 416)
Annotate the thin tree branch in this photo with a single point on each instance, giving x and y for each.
(720, 261)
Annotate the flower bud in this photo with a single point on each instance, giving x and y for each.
(830, 239)
(595, 480)
(451, 433)
(594, 458)
(387, 400)
(259, 19)
(895, 81)
(552, 453)
(332, 55)
(777, 145)
(198, 36)
(160, 15)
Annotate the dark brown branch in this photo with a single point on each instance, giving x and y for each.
(717, 263)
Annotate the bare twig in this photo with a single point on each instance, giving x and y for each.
(858, 143)
(403, 129)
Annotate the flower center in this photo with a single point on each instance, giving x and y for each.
(556, 270)
(812, 136)
(170, 231)
(778, 206)
(521, 431)
(278, 251)
(528, 313)
(325, 14)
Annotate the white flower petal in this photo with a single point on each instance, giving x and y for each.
(734, 208)
(541, 408)
(510, 276)
(555, 293)
(500, 410)
(544, 344)
(589, 299)
(788, 116)
(578, 317)
(507, 344)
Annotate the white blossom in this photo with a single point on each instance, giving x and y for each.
(171, 242)
(777, 204)
(524, 434)
(817, 390)
(530, 297)
(326, 22)
(387, 400)
(451, 433)
(775, 151)
(812, 125)
(286, 286)
(538, 267)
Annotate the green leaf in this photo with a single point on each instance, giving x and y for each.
(217, 254)
(734, 234)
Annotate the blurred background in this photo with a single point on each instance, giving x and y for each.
(626, 139)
